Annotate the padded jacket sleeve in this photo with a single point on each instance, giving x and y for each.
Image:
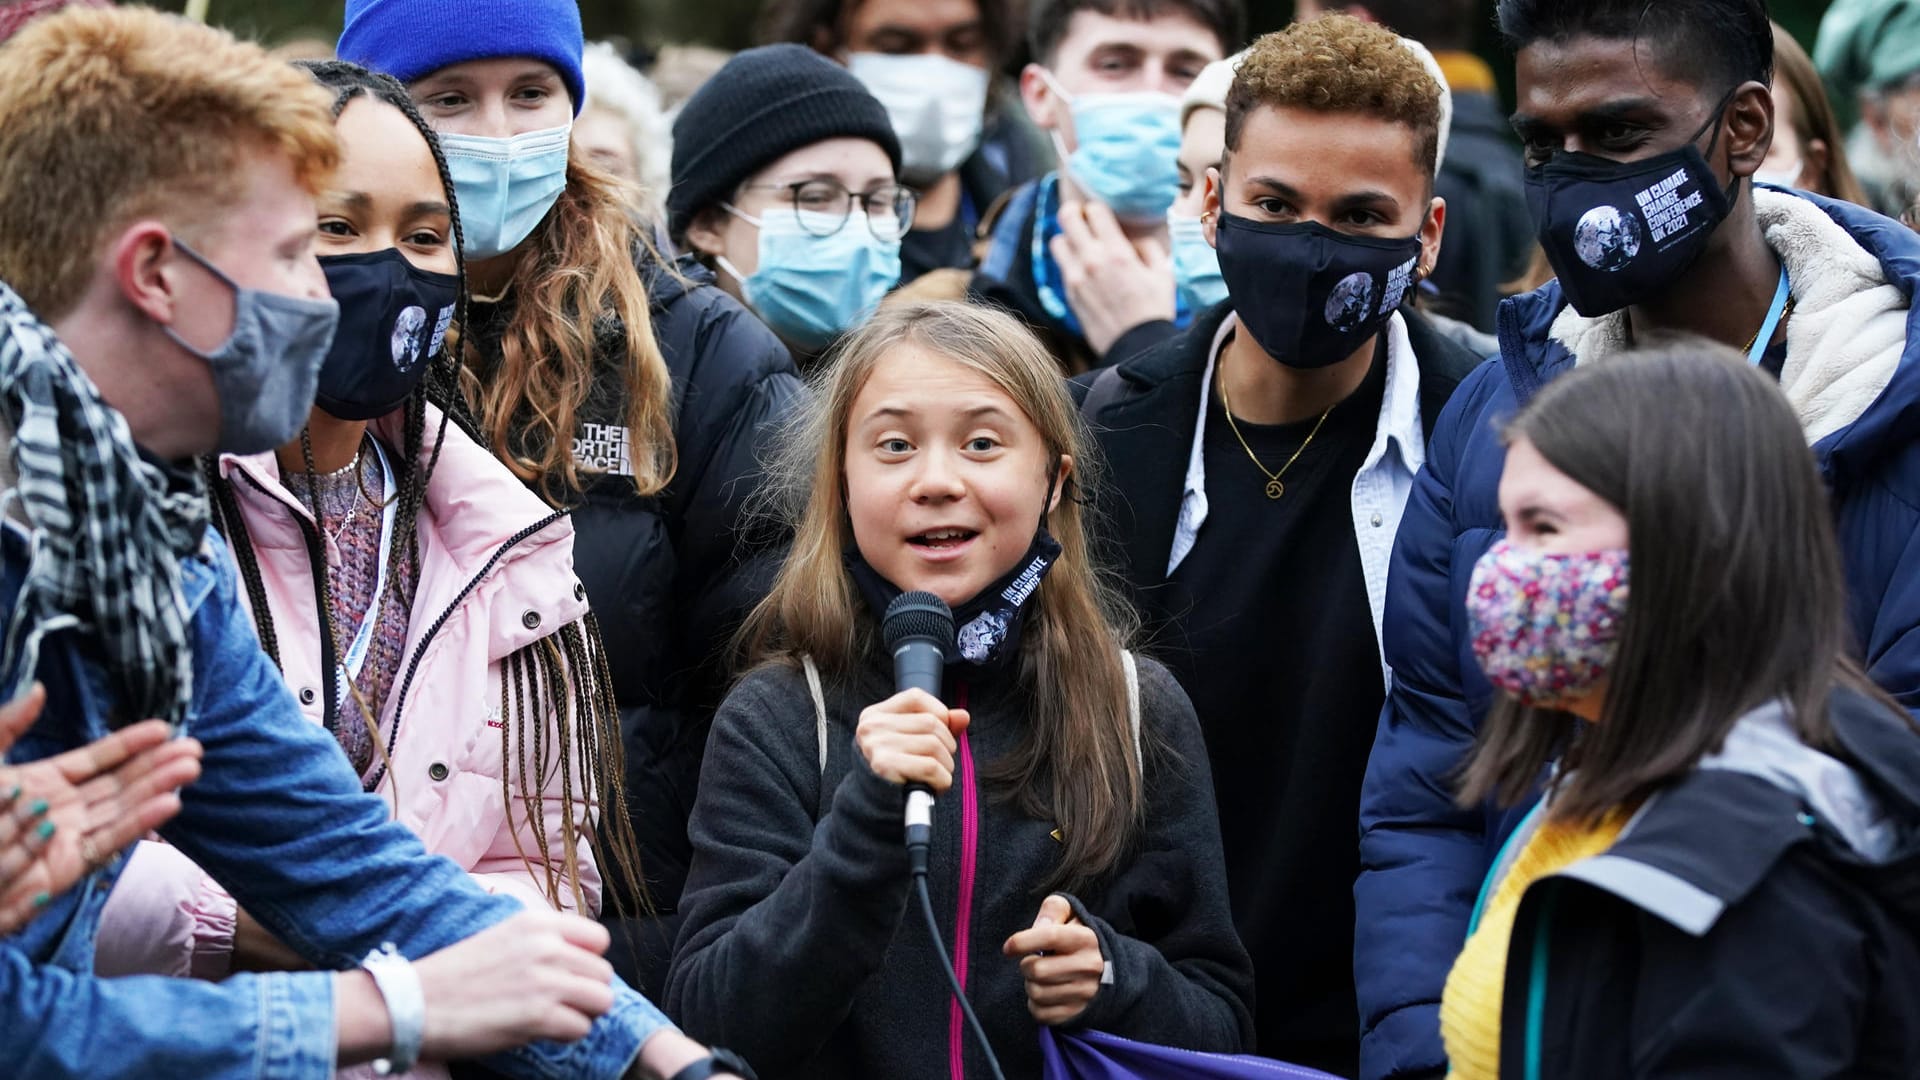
(1422, 856)
(785, 920)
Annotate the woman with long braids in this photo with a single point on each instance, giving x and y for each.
(418, 599)
(599, 372)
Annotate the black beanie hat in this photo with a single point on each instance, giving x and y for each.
(764, 104)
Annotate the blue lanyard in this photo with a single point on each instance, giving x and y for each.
(1767, 329)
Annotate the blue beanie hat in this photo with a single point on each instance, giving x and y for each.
(410, 39)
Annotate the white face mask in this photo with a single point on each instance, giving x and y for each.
(937, 106)
(1787, 175)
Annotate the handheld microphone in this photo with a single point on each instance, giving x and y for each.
(918, 631)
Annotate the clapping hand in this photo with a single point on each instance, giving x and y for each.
(61, 817)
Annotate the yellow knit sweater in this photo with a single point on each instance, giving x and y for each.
(1470, 1006)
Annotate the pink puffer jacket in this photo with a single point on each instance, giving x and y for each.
(496, 575)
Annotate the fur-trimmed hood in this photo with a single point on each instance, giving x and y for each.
(1850, 374)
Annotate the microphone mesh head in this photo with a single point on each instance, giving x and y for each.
(918, 615)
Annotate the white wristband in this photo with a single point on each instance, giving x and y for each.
(406, 1007)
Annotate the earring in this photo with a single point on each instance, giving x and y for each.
(1206, 218)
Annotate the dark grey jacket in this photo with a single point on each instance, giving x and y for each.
(799, 947)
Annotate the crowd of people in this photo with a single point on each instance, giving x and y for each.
(1412, 590)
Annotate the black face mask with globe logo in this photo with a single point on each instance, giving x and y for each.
(1619, 232)
(394, 318)
(1308, 295)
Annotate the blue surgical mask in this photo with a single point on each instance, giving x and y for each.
(811, 289)
(505, 186)
(266, 371)
(1196, 266)
(1127, 149)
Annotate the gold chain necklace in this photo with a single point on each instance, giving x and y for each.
(1275, 486)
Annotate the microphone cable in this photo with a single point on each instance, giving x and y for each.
(917, 859)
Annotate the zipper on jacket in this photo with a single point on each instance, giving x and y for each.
(433, 628)
(317, 567)
(963, 913)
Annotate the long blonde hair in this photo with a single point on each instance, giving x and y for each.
(1076, 765)
(578, 273)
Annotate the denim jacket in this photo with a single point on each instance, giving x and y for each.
(280, 820)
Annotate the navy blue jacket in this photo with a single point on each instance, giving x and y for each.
(1422, 856)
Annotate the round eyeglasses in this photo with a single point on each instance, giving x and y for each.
(823, 206)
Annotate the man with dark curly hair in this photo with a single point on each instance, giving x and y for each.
(1261, 460)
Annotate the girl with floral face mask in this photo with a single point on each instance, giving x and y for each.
(1728, 803)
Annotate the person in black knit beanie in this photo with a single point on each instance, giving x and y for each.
(785, 182)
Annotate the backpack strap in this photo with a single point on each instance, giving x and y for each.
(1133, 703)
(819, 706)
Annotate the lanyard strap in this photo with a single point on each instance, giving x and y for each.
(356, 655)
(1779, 308)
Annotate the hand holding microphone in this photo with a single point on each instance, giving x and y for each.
(909, 739)
(914, 733)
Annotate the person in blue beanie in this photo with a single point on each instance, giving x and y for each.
(1643, 128)
(769, 159)
(614, 382)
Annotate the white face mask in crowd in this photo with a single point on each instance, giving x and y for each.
(1787, 175)
(937, 106)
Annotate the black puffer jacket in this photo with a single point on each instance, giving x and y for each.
(670, 576)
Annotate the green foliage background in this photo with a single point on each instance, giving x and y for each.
(729, 23)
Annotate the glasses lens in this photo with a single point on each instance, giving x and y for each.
(890, 212)
(821, 206)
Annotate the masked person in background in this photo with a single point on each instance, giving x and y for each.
(1081, 253)
(1203, 141)
(631, 391)
(1720, 875)
(623, 129)
(1643, 127)
(786, 181)
(358, 543)
(1809, 150)
(1075, 866)
(177, 309)
(1262, 459)
(932, 63)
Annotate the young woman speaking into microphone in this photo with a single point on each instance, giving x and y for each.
(1076, 876)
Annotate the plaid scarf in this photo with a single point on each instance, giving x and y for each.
(109, 527)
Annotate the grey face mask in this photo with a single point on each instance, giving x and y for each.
(265, 373)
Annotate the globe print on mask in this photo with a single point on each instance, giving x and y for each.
(979, 636)
(1607, 238)
(408, 330)
(1350, 302)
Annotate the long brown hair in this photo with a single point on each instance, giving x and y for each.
(576, 275)
(1737, 595)
(1076, 765)
(1813, 118)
